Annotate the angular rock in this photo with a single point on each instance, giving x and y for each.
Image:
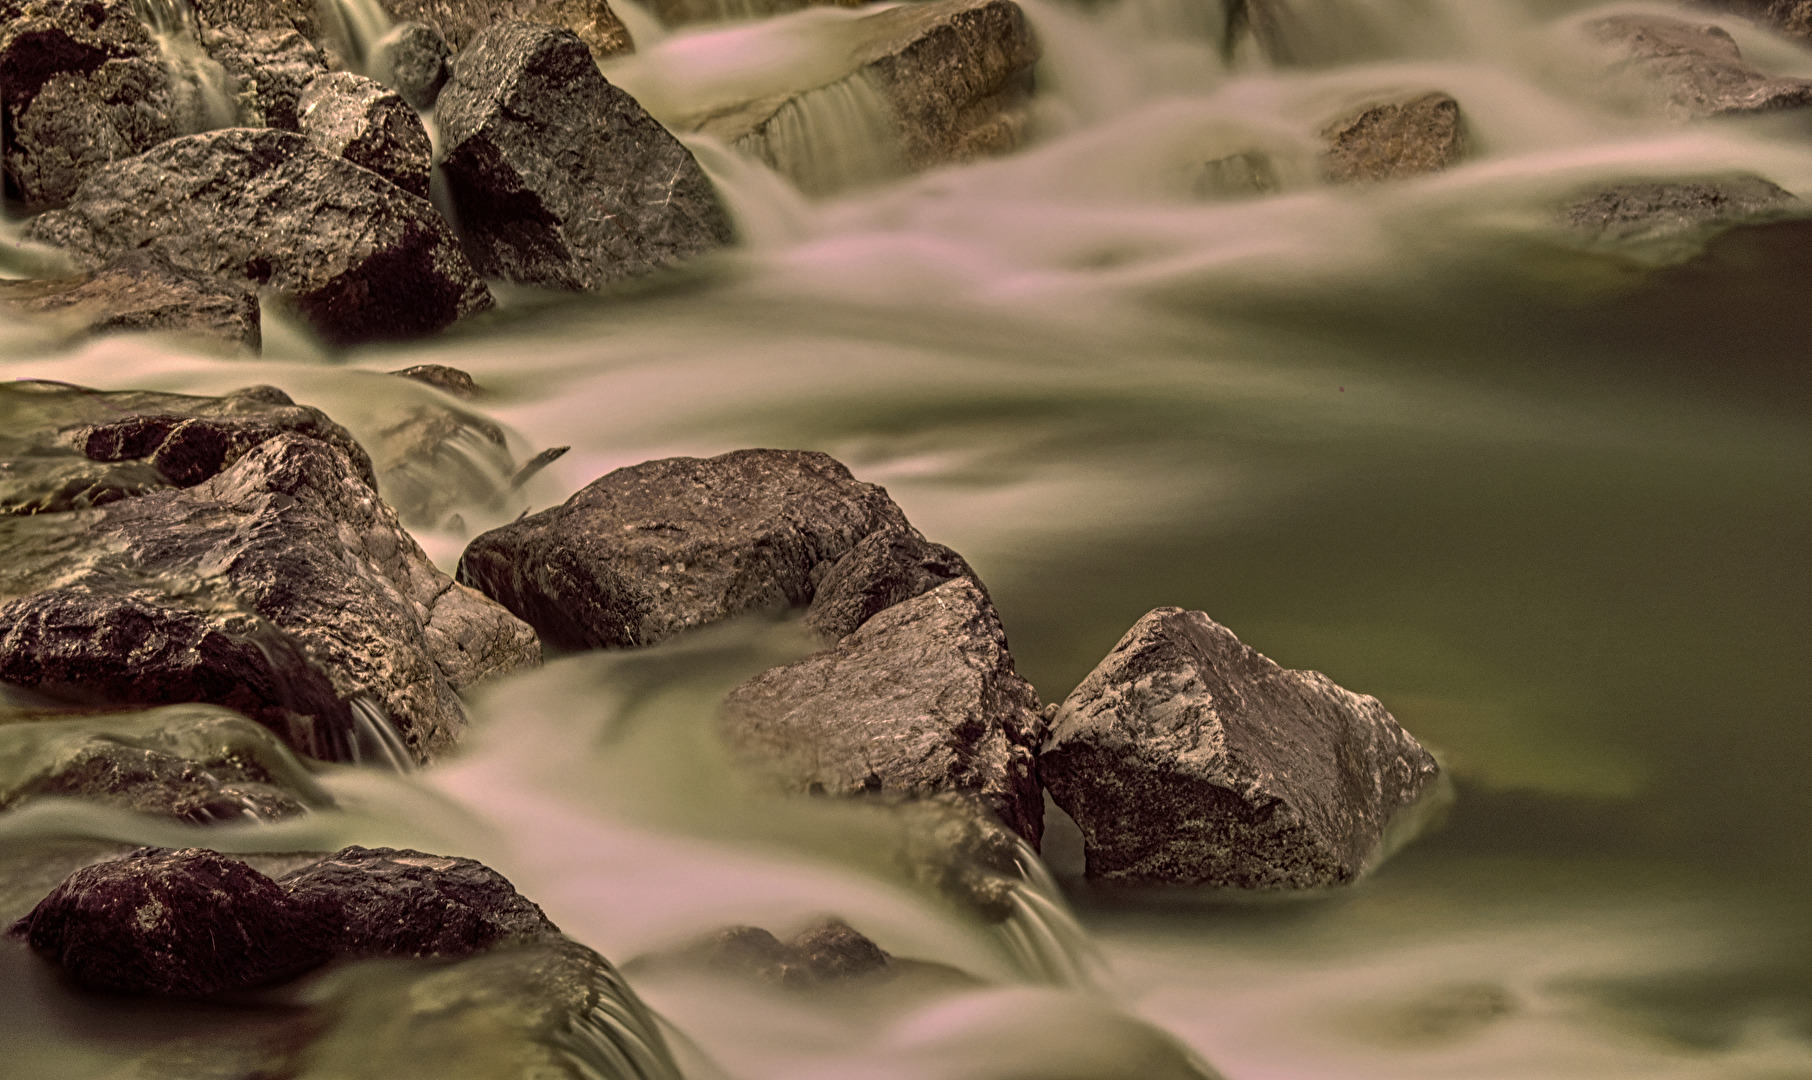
(360, 259)
(954, 75)
(561, 179)
(391, 902)
(1693, 71)
(192, 763)
(188, 923)
(368, 124)
(139, 293)
(1188, 758)
(268, 69)
(1392, 140)
(1643, 210)
(280, 586)
(884, 568)
(412, 58)
(921, 700)
(441, 377)
(655, 549)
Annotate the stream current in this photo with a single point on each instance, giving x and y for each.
(1549, 502)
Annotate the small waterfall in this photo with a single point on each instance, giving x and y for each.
(197, 83)
(831, 139)
(620, 1039)
(375, 740)
(354, 27)
(1042, 934)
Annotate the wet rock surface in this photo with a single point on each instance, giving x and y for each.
(280, 586)
(921, 700)
(1188, 758)
(268, 69)
(459, 21)
(413, 57)
(561, 179)
(828, 952)
(1692, 71)
(651, 550)
(358, 258)
(441, 377)
(1395, 139)
(139, 293)
(1646, 210)
(1792, 18)
(368, 124)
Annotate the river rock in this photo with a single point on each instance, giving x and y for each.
(1792, 18)
(140, 293)
(268, 69)
(368, 124)
(560, 178)
(921, 700)
(1188, 758)
(194, 763)
(357, 257)
(1649, 210)
(655, 549)
(1407, 136)
(281, 587)
(412, 57)
(448, 379)
(827, 953)
(1693, 71)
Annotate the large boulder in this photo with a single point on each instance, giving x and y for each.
(357, 257)
(368, 124)
(655, 549)
(1188, 758)
(1396, 138)
(921, 700)
(140, 293)
(1640, 211)
(561, 179)
(1691, 71)
(274, 581)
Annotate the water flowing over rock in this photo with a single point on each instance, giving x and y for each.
(268, 69)
(1790, 17)
(683, 12)
(368, 124)
(560, 178)
(358, 258)
(1693, 71)
(1188, 758)
(1395, 139)
(921, 700)
(828, 952)
(1648, 210)
(413, 57)
(449, 379)
(141, 293)
(651, 550)
(280, 585)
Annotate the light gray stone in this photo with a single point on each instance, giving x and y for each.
(1649, 210)
(1394, 139)
(412, 58)
(368, 124)
(268, 69)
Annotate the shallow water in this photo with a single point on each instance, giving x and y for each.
(1548, 502)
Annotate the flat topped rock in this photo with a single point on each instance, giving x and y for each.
(1647, 210)
(1693, 71)
(1188, 758)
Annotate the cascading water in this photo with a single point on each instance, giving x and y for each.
(835, 138)
(198, 84)
(354, 27)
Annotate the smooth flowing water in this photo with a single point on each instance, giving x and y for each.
(1548, 501)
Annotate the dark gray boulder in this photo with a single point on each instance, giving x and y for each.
(921, 700)
(267, 70)
(829, 952)
(1649, 210)
(561, 179)
(655, 549)
(188, 923)
(357, 257)
(368, 124)
(1394, 139)
(138, 293)
(280, 586)
(412, 58)
(1692, 71)
(1188, 758)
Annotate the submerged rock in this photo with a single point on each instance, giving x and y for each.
(1790, 17)
(412, 57)
(655, 549)
(1649, 210)
(1188, 758)
(358, 258)
(560, 178)
(683, 12)
(1395, 139)
(828, 953)
(921, 700)
(1693, 71)
(268, 69)
(140, 293)
(368, 124)
(441, 377)
(280, 585)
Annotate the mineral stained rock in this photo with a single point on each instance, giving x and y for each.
(655, 549)
(921, 700)
(267, 69)
(280, 585)
(1646, 210)
(139, 293)
(1188, 758)
(1693, 71)
(357, 257)
(1395, 139)
(368, 124)
(561, 179)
